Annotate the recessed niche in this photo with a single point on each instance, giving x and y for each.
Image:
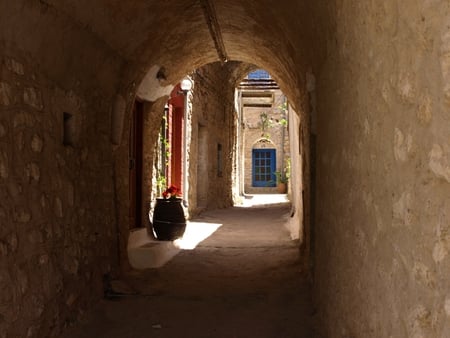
(68, 129)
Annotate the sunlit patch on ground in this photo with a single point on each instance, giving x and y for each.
(263, 199)
(196, 232)
(145, 252)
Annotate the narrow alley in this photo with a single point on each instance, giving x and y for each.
(245, 280)
(108, 108)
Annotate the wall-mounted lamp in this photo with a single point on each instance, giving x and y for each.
(186, 85)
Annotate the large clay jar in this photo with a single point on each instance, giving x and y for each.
(169, 222)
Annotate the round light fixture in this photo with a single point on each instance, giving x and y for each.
(186, 84)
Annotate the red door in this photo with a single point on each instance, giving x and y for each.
(176, 125)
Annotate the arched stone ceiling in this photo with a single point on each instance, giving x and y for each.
(174, 34)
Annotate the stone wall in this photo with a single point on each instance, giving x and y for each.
(383, 170)
(212, 110)
(58, 227)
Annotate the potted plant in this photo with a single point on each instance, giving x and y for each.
(169, 221)
(282, 181)
(282, 177)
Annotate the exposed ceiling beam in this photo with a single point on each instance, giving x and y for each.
(211, 19)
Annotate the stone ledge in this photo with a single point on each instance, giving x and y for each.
(144, 252)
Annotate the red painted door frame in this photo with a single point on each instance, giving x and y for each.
(176, 125)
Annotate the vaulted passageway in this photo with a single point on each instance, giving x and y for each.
(370, 82)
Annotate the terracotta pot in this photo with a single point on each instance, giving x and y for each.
(282, 188)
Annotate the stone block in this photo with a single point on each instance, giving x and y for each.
(13, 242)
(22, 216)
(70, 194)
(23, 119)
(425, 111)
(445, 59)
(43, 201)
(15, 66)
(35, 236)
(424, 275)
(37, 143)
(33, 98)
(4, 173)
(406, 86)
(402, 145)
(2, 130)
(447, 306)
(440, 161)
(22, 280)
(5, 94)
(420, 322)
(58, 209)
(32, 172)
(19, 140)
(14, 189)
(43, 259)
(3, 249)
(440, 251)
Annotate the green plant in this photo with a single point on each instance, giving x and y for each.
(161, 183)
(280, 177)
(287, 167)
(283, 122)
(165, 145)
(283, 109)
(284, 175)
(266, 123)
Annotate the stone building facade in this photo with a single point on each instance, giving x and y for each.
(212, 138)
(264, 126)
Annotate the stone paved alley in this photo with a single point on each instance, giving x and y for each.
(245, 280)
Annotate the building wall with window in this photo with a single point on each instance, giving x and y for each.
(264, 130)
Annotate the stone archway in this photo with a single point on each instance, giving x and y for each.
(215, 88)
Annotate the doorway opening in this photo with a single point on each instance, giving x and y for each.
(135, 166)
(264, 116)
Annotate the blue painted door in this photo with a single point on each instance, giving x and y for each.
(263, 167)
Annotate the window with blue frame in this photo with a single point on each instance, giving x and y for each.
(263, 167)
